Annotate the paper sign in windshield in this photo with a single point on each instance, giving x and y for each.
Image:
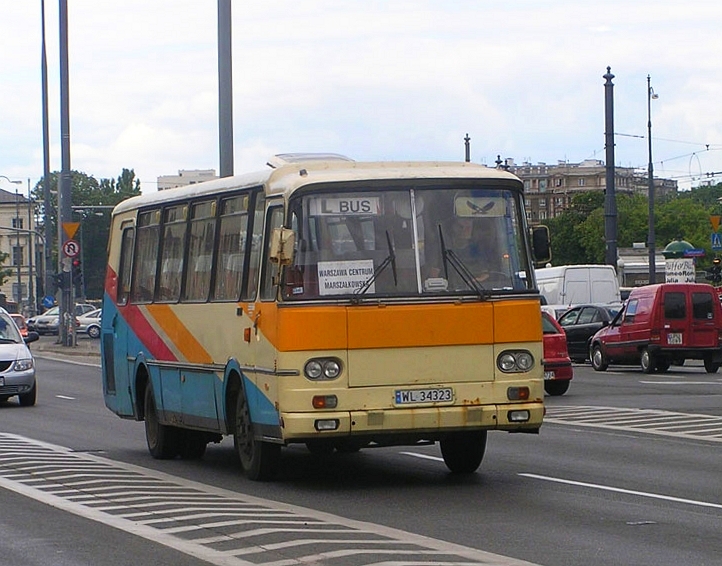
(344, 277)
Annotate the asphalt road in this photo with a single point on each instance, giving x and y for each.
(626, 470)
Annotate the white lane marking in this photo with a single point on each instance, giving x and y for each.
(681, 382)
(24, 469)
(648, 421)
(65, 397)
(625, 491)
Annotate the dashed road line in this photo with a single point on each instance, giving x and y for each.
(219, 526)
(648, 421)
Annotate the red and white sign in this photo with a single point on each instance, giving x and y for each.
(71, 248)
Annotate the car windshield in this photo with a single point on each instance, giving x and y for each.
(8, 330)
(52, 311)
(365, 243)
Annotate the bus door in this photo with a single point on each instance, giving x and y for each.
(114, 333)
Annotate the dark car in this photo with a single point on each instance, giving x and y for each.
(581, 323)
(558, 370)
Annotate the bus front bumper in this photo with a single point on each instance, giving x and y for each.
(430, 423)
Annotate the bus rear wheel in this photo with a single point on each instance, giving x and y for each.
(163, 440)
(259, 460)
(464, 451)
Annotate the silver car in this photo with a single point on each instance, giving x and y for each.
(47, 323)
(17, 367)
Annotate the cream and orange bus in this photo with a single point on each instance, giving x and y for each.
(328, 302)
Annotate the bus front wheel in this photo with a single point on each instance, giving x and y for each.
(259, 460)
(464, 451)
(163, 440)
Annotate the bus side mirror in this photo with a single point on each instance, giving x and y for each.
(541, 244)
(282, 242)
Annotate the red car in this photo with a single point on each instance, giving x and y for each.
(558, 370)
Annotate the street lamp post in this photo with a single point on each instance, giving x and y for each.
(18, 253)
(650, 185)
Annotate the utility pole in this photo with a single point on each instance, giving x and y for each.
(225, 89)
(610, 196)
(65, 212)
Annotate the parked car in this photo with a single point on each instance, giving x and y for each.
(582, 322)
(660, 325)
(21, 323)
(17, 367)
(558, 371)
(47, 323)
(89, 323)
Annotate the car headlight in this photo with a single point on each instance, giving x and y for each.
(515, 361)
(322, 368)
(23, 364)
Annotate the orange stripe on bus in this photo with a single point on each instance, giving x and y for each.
(176, 332)
(392, 326)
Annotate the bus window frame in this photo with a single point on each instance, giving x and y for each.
(268, 289)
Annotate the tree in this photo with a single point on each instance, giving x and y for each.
(578, 233)
(95, 223)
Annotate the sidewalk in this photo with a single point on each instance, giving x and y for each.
(87, 350)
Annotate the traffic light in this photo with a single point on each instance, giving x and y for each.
(715, 271)
(77, 272)
(61, 280)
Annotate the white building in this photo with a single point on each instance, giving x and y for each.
(17, 225)
(186, 177)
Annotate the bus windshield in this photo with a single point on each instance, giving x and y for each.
(401, 242)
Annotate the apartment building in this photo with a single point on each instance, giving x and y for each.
(549, 189)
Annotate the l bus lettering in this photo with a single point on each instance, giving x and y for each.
(348, 206)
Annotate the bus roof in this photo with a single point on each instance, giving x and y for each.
(288, 172)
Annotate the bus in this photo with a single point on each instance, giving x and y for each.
(338, 304)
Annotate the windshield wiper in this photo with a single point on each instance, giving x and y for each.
(450, 258)
(390, 259)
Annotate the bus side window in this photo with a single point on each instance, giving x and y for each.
(146, 256)
(271, 270)
(126, 262)
(255, 254)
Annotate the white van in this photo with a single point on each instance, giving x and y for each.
(577, 284)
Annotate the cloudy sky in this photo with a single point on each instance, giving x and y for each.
(371, 79)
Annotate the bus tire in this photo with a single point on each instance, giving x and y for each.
(259, 460)
(464, 451)
(193, 445)
(710, 366)
(163, 440)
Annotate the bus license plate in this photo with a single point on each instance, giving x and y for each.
(549, 374)
(674, 338)
(436, 395)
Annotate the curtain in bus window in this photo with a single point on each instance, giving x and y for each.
(200, 251)
(144, 265)
(231, 248)
(171, 265)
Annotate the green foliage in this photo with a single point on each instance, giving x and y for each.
(94, 223)
(578, 233)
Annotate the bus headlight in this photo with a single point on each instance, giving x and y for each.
(515, 361)
(322, 368)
